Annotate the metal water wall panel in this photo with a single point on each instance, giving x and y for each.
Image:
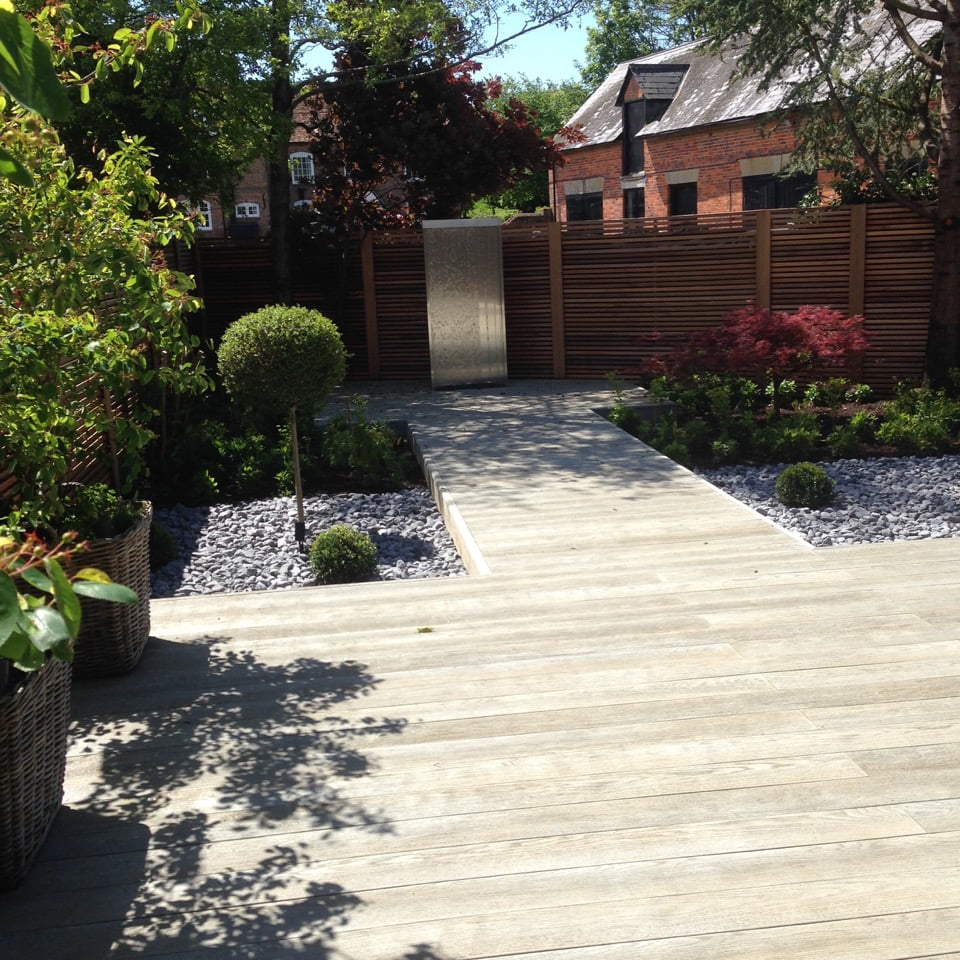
(465, 311)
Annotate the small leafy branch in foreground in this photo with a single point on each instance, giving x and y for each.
(39, 601)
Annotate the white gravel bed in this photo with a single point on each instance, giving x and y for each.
(241, 547)
(896, 498)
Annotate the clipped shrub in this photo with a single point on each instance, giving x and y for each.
(804, 485)
(343, 555)
(281, 357)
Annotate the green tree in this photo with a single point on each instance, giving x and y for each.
(628, 29)
(867, 80)
(551, 105)
(199, 104)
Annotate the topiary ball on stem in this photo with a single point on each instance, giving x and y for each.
(804, 485)
(280, 358)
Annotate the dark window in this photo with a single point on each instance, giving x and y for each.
(585, 206)
(769, 191)
(636, 115)
(683, 199)
(633, 203)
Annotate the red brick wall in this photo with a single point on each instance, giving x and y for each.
(715, 152)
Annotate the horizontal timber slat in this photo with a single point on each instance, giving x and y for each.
(619, 284)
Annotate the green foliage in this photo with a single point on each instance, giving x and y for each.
(163, 548)
(343, 555)
(859, 393)
(366, 451)
(804, 485)
(39, 605)
(828, 393)
(97, 512)
(550, 106)
(921, 420)
(281, 357)
(86, 299)
(628, 30)
(791, 437)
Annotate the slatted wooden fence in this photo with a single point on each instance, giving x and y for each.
(583, 299)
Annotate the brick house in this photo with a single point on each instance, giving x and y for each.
(677, 133)
(248, 218)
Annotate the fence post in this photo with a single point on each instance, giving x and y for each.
(858, 259)
(555, 249)
(370, 306)
(764, 257)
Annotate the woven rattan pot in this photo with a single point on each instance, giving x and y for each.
(112, 635)
(33, 750)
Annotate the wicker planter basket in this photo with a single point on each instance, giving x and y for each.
(112, 635)
(33, 750)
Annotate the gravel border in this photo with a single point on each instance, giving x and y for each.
(250, 546)
(896, 498)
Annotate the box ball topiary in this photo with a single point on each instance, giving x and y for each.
(804, 485)
(343, 555)
(282, 357)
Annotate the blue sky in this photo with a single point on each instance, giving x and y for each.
(549, 54)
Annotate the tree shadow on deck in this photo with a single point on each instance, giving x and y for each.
(204, 790)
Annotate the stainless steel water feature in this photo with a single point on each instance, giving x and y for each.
(465, 315)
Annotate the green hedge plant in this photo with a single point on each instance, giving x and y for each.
(343, 555)
(804, 485)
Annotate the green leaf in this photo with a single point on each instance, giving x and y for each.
(13, 170)
(15, 647)
(47, 628)
(38, 580)
(114, 592)
(26, 69)
(9, 606)
(66, 599)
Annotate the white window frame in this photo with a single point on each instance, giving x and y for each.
(247, 211)
(301, 167)
(204, 213)
(302, 204)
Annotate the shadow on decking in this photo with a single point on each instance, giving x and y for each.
(214, 781)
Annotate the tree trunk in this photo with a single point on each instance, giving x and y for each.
(278, 163)
(943, 338)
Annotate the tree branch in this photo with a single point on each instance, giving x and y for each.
(939, 11)
(918, 53)
(308, 86)
(871, 161)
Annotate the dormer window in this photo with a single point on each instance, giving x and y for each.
(645, 96)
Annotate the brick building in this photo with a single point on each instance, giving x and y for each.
(248, 218)
(679, 132)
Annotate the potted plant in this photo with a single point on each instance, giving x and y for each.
(40, 616)
(116, 533)
(90, 350)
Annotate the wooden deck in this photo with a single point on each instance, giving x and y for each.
(657, 728)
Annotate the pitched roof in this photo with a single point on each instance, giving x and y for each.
(710, 90)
